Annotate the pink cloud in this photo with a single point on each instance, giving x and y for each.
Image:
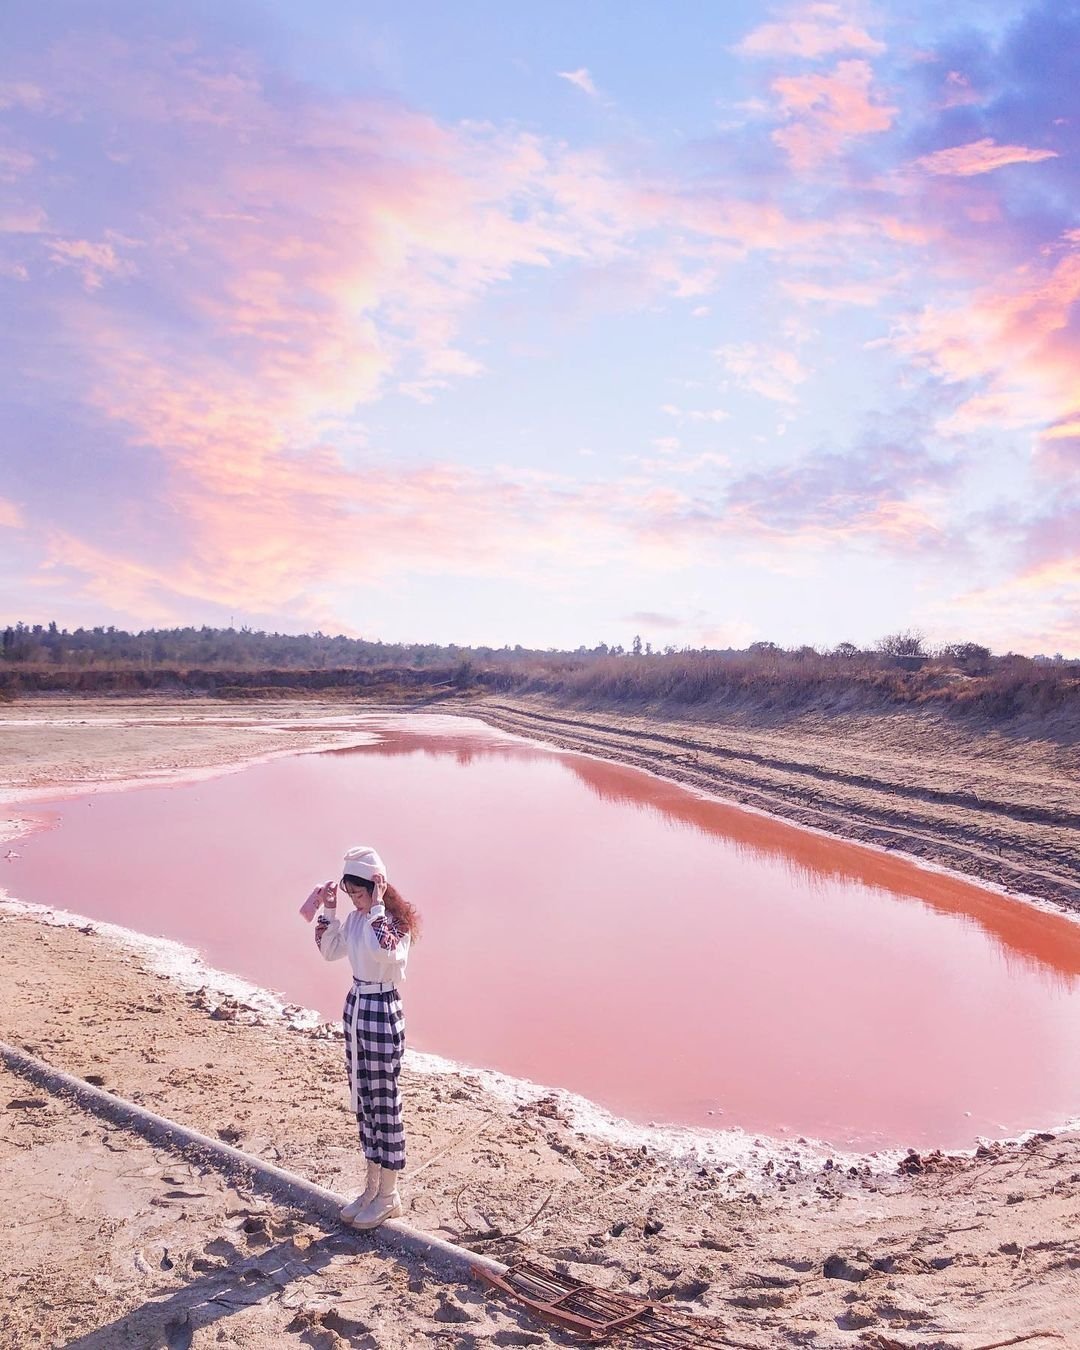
(1064, 431)
(671, 463)
(1017, 339)
(654, 619)
(94, 262)
(695, 414)
(269, 525)
(1037, 608)
(825, 112)
(723, 227)
(771, 372)
(884, 495)
(273, 539)
(964, 161)
(22, 94)
(1051, 550)
(281, 215)
(731, 227)
(686, 526)
(22, 219)
(272, 528)
(880, 498)
(811, 31)
(10, 516)
(581, 79)
(14, 162)
(959, 91)
(859, 293)
(311, 252)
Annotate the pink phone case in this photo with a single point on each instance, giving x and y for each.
(310, 907)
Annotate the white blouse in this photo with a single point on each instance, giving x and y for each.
(378, 950)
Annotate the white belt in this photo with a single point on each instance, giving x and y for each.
(373, 986)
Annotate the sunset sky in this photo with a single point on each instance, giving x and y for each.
(543, 323)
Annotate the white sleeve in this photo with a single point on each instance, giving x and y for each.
(330, 939)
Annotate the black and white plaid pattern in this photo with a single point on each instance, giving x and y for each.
(375, 1024)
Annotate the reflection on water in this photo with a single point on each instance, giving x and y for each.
(1046, 943)
(594, 927)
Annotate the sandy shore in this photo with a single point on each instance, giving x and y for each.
(107, 1242)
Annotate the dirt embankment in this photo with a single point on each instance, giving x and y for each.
(1000, 805)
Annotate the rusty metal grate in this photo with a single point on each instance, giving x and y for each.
(598, 1314)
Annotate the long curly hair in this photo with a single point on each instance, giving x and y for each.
(405, 915)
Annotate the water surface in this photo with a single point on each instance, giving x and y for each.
(596, 928)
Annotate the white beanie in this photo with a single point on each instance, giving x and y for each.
(363, 862)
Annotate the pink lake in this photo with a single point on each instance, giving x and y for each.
(591, 927)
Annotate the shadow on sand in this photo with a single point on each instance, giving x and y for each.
(320, 1313)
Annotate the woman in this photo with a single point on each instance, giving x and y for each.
(376, 937)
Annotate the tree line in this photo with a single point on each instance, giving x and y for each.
(249, 648)
(241, 648)
(900, 669)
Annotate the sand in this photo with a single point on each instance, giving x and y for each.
(108, 1242)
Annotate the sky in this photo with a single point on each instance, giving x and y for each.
(550, 323)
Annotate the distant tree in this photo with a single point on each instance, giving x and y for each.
(636, 647)
(845, 649)
(19, 642)
(910, 643)
(968, 655)
(763, 648)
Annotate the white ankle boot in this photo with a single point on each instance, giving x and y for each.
(370, 1191)
(385, 1204)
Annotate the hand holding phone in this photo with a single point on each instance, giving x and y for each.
(326, 894)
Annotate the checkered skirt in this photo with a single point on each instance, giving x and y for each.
(374, 1027)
